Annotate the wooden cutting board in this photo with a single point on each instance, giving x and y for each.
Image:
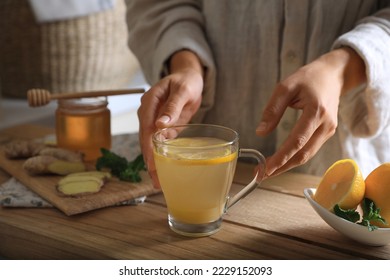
(113, 192)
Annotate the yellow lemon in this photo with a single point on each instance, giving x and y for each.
(342, 184)
(378, 190)
(198, 151)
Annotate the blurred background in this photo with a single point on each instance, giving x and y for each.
(66, 46)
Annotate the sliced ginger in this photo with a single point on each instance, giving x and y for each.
(82, 183)
(42, 159)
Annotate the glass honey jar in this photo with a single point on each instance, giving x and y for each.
(84, 125)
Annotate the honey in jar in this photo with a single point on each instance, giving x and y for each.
(84, 125)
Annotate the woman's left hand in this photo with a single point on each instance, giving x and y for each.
(314, 89)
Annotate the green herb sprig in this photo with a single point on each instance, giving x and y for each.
(370, 214)
(120, 167)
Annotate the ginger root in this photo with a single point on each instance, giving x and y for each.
(48, 164)
(62, 154)
(22, 149)
(26, 149)
(82, 183)
(98, 174)
(42, 159)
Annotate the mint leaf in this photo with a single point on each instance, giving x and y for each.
(349, 214)
(367, 224)
(370, 214)
(120, 167)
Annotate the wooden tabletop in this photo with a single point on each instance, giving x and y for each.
(273, 222)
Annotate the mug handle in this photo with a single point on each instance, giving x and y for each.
(249, 153)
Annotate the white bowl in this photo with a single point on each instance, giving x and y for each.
(378, 237)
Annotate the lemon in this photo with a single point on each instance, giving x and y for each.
(378, 190)
(198, 151)
(342, 184)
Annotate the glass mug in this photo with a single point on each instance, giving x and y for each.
(195, 165)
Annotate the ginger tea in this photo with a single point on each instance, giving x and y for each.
(195, 165)
(195, 183)
(84, 125)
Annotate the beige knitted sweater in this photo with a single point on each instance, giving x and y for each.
(84, 53)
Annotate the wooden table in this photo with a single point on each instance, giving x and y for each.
(274, 222)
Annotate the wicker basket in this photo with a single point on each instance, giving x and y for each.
(86, 53)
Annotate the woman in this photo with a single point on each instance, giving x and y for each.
(305, 82)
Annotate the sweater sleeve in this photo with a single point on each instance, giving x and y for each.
(158, 29)
(365, 111)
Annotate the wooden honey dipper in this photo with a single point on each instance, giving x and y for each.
(39, 97)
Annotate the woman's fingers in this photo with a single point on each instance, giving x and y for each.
(310, 91)
(274, 110)
(173, 100)
(147, 114)
(302, 154)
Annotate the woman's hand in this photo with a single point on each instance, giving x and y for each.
(314, 89)
(173, 100)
